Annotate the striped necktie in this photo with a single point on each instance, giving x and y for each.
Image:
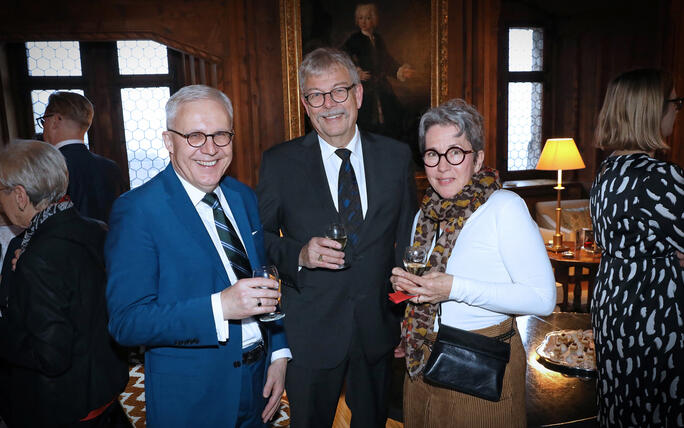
(348, 198)
(230, 241)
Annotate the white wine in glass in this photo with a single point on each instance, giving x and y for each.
(415, 259)
(337, 233)
(270, 272)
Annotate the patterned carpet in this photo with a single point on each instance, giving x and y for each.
(133, 398)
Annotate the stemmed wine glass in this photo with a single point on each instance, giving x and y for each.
(337, 233)
(415, 259)
(270, 272)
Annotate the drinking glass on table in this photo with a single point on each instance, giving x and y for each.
(415, 259)
(270, 272)
(337, 233)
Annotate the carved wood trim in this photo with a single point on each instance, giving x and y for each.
(291, 51)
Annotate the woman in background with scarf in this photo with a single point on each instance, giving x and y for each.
(61, 365)
(487, 262)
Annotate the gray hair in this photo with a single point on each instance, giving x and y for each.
(38, 167)
(72, 106)
(321, 60)
(458, 113)
(192, 93)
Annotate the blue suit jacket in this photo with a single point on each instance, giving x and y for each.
(162, 269)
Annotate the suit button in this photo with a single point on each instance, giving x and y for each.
(236, 364)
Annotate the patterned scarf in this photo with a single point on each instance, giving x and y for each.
(38, 219)
(419, 319)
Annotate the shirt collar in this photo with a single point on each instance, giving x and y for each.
(353, 146)
(196, 195)
(67, 142)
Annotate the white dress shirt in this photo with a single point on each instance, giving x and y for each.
(332, 163)
(251, 333)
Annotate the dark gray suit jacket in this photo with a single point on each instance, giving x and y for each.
(323, 306)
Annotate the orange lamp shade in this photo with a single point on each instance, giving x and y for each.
(560, 154)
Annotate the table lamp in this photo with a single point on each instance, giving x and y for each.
(559, 154)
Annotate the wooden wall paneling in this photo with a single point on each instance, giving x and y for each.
(674, 53)
(472, 53)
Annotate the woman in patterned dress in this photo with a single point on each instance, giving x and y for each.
(637, 213)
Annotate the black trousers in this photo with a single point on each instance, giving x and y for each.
(314, 393)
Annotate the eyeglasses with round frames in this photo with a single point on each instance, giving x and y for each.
(678, 102)
(339, 95)
(454, 156)
(41, 120)
(197, 139)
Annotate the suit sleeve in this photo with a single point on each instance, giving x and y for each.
(137, 317)
(408, 210)
(283, 251)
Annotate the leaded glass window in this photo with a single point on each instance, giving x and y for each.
(144, 122)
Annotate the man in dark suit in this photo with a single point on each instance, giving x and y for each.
(94, 181)
(339, 321)
(180, 254)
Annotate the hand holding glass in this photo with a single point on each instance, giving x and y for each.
(337, 233)
(272, 273)
(415, 259)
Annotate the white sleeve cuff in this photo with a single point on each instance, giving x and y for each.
(221, 324)
(453, 295)
(281, 353)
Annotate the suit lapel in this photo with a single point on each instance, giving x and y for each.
(318, 180)
(371, 166)
(186, 214)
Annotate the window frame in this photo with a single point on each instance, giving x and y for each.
(106, 134)
(506, 77)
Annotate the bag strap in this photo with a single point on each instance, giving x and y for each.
(504, 336)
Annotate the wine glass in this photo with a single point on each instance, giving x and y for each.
(337, 233)
(270, 272)
(415, 259)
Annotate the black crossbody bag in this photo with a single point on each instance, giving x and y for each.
(468, 362)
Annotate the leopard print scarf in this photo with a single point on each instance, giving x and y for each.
(419, 319)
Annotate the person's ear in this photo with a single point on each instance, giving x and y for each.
(168, 141)
(21, 197)
(358, 92)
(479, 160)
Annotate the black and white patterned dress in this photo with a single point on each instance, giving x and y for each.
(637, 308)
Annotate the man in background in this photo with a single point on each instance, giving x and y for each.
(94, 181)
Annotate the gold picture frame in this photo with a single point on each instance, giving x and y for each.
(291, 48)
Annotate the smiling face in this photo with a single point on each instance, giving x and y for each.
(335, 122)
(445, 178)
(204, 166)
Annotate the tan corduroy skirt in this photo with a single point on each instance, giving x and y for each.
(427, 406)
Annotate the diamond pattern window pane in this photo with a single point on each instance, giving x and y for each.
(142, 57)
(524, 125)
(144, 122)
(53, 58)
(525, 49)
(39, 99)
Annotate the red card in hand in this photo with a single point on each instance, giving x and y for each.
(399, 296)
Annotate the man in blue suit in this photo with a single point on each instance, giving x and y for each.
(179, 255)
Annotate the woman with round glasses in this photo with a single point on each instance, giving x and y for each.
(638, 216)
(487, 263)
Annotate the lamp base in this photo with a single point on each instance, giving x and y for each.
(558, 246)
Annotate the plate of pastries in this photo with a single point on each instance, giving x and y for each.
(569, 351)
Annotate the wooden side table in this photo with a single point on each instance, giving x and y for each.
(581, 261)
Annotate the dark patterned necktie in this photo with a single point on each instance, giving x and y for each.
(348, 198)
(230, 241)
